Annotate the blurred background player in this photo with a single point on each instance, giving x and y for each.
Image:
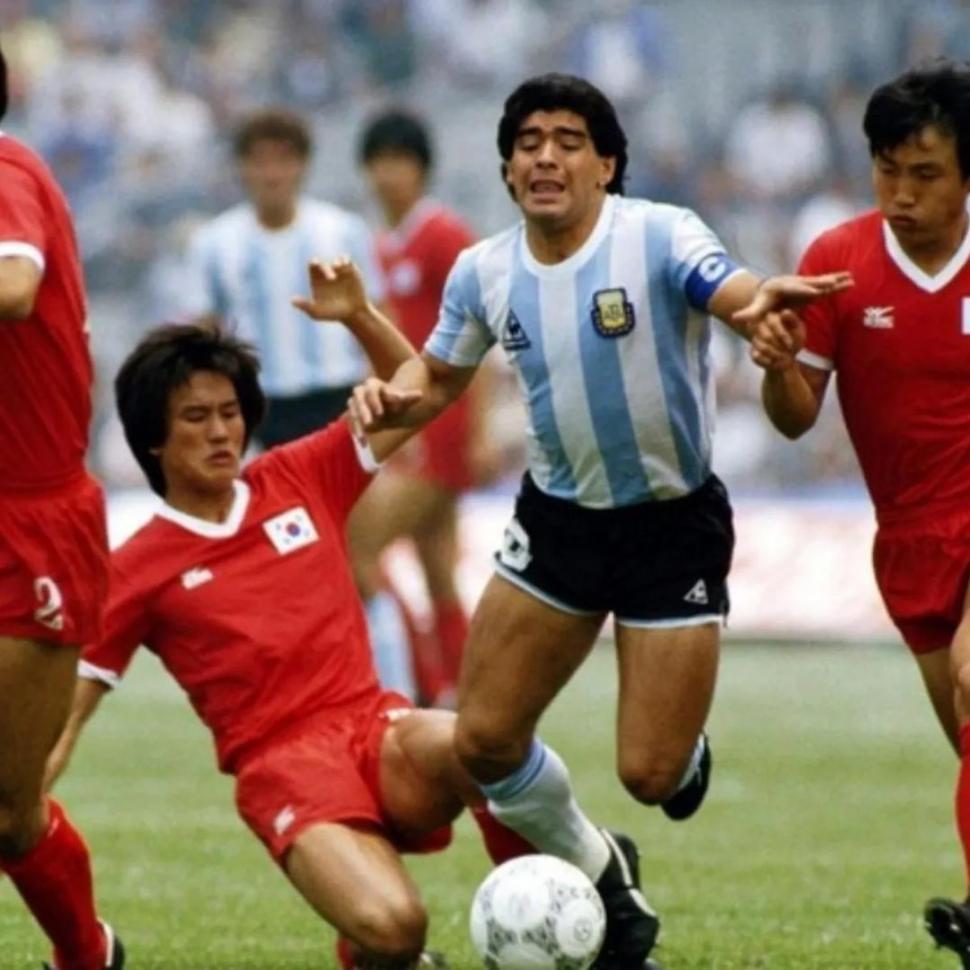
(53, 547)
(900, 343)
(241, 585)
(417, 494)
(601, 305)
(244, 264)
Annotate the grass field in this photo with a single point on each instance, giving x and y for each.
(828, 825)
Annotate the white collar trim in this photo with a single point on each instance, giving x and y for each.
(578, 258)
(205, 528)
(931, 284)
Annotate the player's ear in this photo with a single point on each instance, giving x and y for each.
(607, 171)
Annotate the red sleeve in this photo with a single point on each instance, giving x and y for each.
(821, 318)
(328, 460)
(450, 239)
(126, 627)
(21, 213)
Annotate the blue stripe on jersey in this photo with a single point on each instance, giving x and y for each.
(668, 310)
(309, 330)
(603, 375)
(217, 289)
(706, 277)
(462, 295)
(524, 300)
(254, 284)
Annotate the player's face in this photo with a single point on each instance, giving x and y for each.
(272, 172)
(397, 179)
(555, 172)
(920, 191)
(206, 431)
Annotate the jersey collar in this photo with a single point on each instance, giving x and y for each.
(569, 265)
(931, 284)
(418, 215)
(205, 528)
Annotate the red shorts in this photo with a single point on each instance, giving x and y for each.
(922, 570)
(439, 454)
(329, 772)
(54, 564)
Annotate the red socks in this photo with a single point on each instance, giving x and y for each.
(451, 629)
(54, 879)
(501, 842)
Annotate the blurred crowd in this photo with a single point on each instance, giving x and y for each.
(748, 111)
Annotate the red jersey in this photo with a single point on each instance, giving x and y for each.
(257, 618)
(899, 341)
(45, 365)
(416, 258)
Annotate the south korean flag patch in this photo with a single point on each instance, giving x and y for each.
(291, 530)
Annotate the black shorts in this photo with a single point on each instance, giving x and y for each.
(661, 563)
(289, 418)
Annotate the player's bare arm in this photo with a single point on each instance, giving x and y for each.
(743, 299)
(337, 293)
(390, 412)
(791, 391)
(19, 280)
(87, 696)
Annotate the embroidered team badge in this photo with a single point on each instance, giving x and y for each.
(612, 312)
(514, 337)
(878, 317)
(291, 530)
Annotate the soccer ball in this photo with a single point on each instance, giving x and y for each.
(537, 912)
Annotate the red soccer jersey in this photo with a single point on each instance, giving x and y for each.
(45, 365)
(257, 618)
(899, 341)
(416, 258)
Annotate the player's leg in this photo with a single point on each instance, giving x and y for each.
(436, 543)
(41, 852)
(394, 505)
(667, 678)
(936, 669)
(354, 878)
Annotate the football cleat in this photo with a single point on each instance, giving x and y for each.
(432, 960)
(949, 925)
(115, 954)
(631, 925)
(687, 799)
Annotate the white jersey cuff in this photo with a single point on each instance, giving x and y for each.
(26, 250)
(815, 360)
(364, 454)
(90, 671)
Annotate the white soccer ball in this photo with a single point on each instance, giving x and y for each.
(537, 913)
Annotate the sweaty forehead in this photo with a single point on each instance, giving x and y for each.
(548, 121)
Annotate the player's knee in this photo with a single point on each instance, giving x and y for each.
(392, 931)
(486, 752)
(962, 678)
(651, 782)
(18, 830)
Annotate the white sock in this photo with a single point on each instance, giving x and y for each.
(389, 643)
(537, 801)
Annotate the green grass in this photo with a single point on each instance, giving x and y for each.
(829, 824)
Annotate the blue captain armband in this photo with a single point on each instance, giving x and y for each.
(705, 278)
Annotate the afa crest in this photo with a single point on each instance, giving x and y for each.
(612, 312)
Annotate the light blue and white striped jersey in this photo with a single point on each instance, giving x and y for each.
(610, 347)
(247, 274)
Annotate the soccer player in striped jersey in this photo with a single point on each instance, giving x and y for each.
(900, 343)
(243, 267)
(602, 305)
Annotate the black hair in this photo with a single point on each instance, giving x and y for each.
(273, 124)
(937, 93)
(165, 359)
(396, 131)
(555, 92)
(3, 85)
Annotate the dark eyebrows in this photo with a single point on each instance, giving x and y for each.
(557, 130)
